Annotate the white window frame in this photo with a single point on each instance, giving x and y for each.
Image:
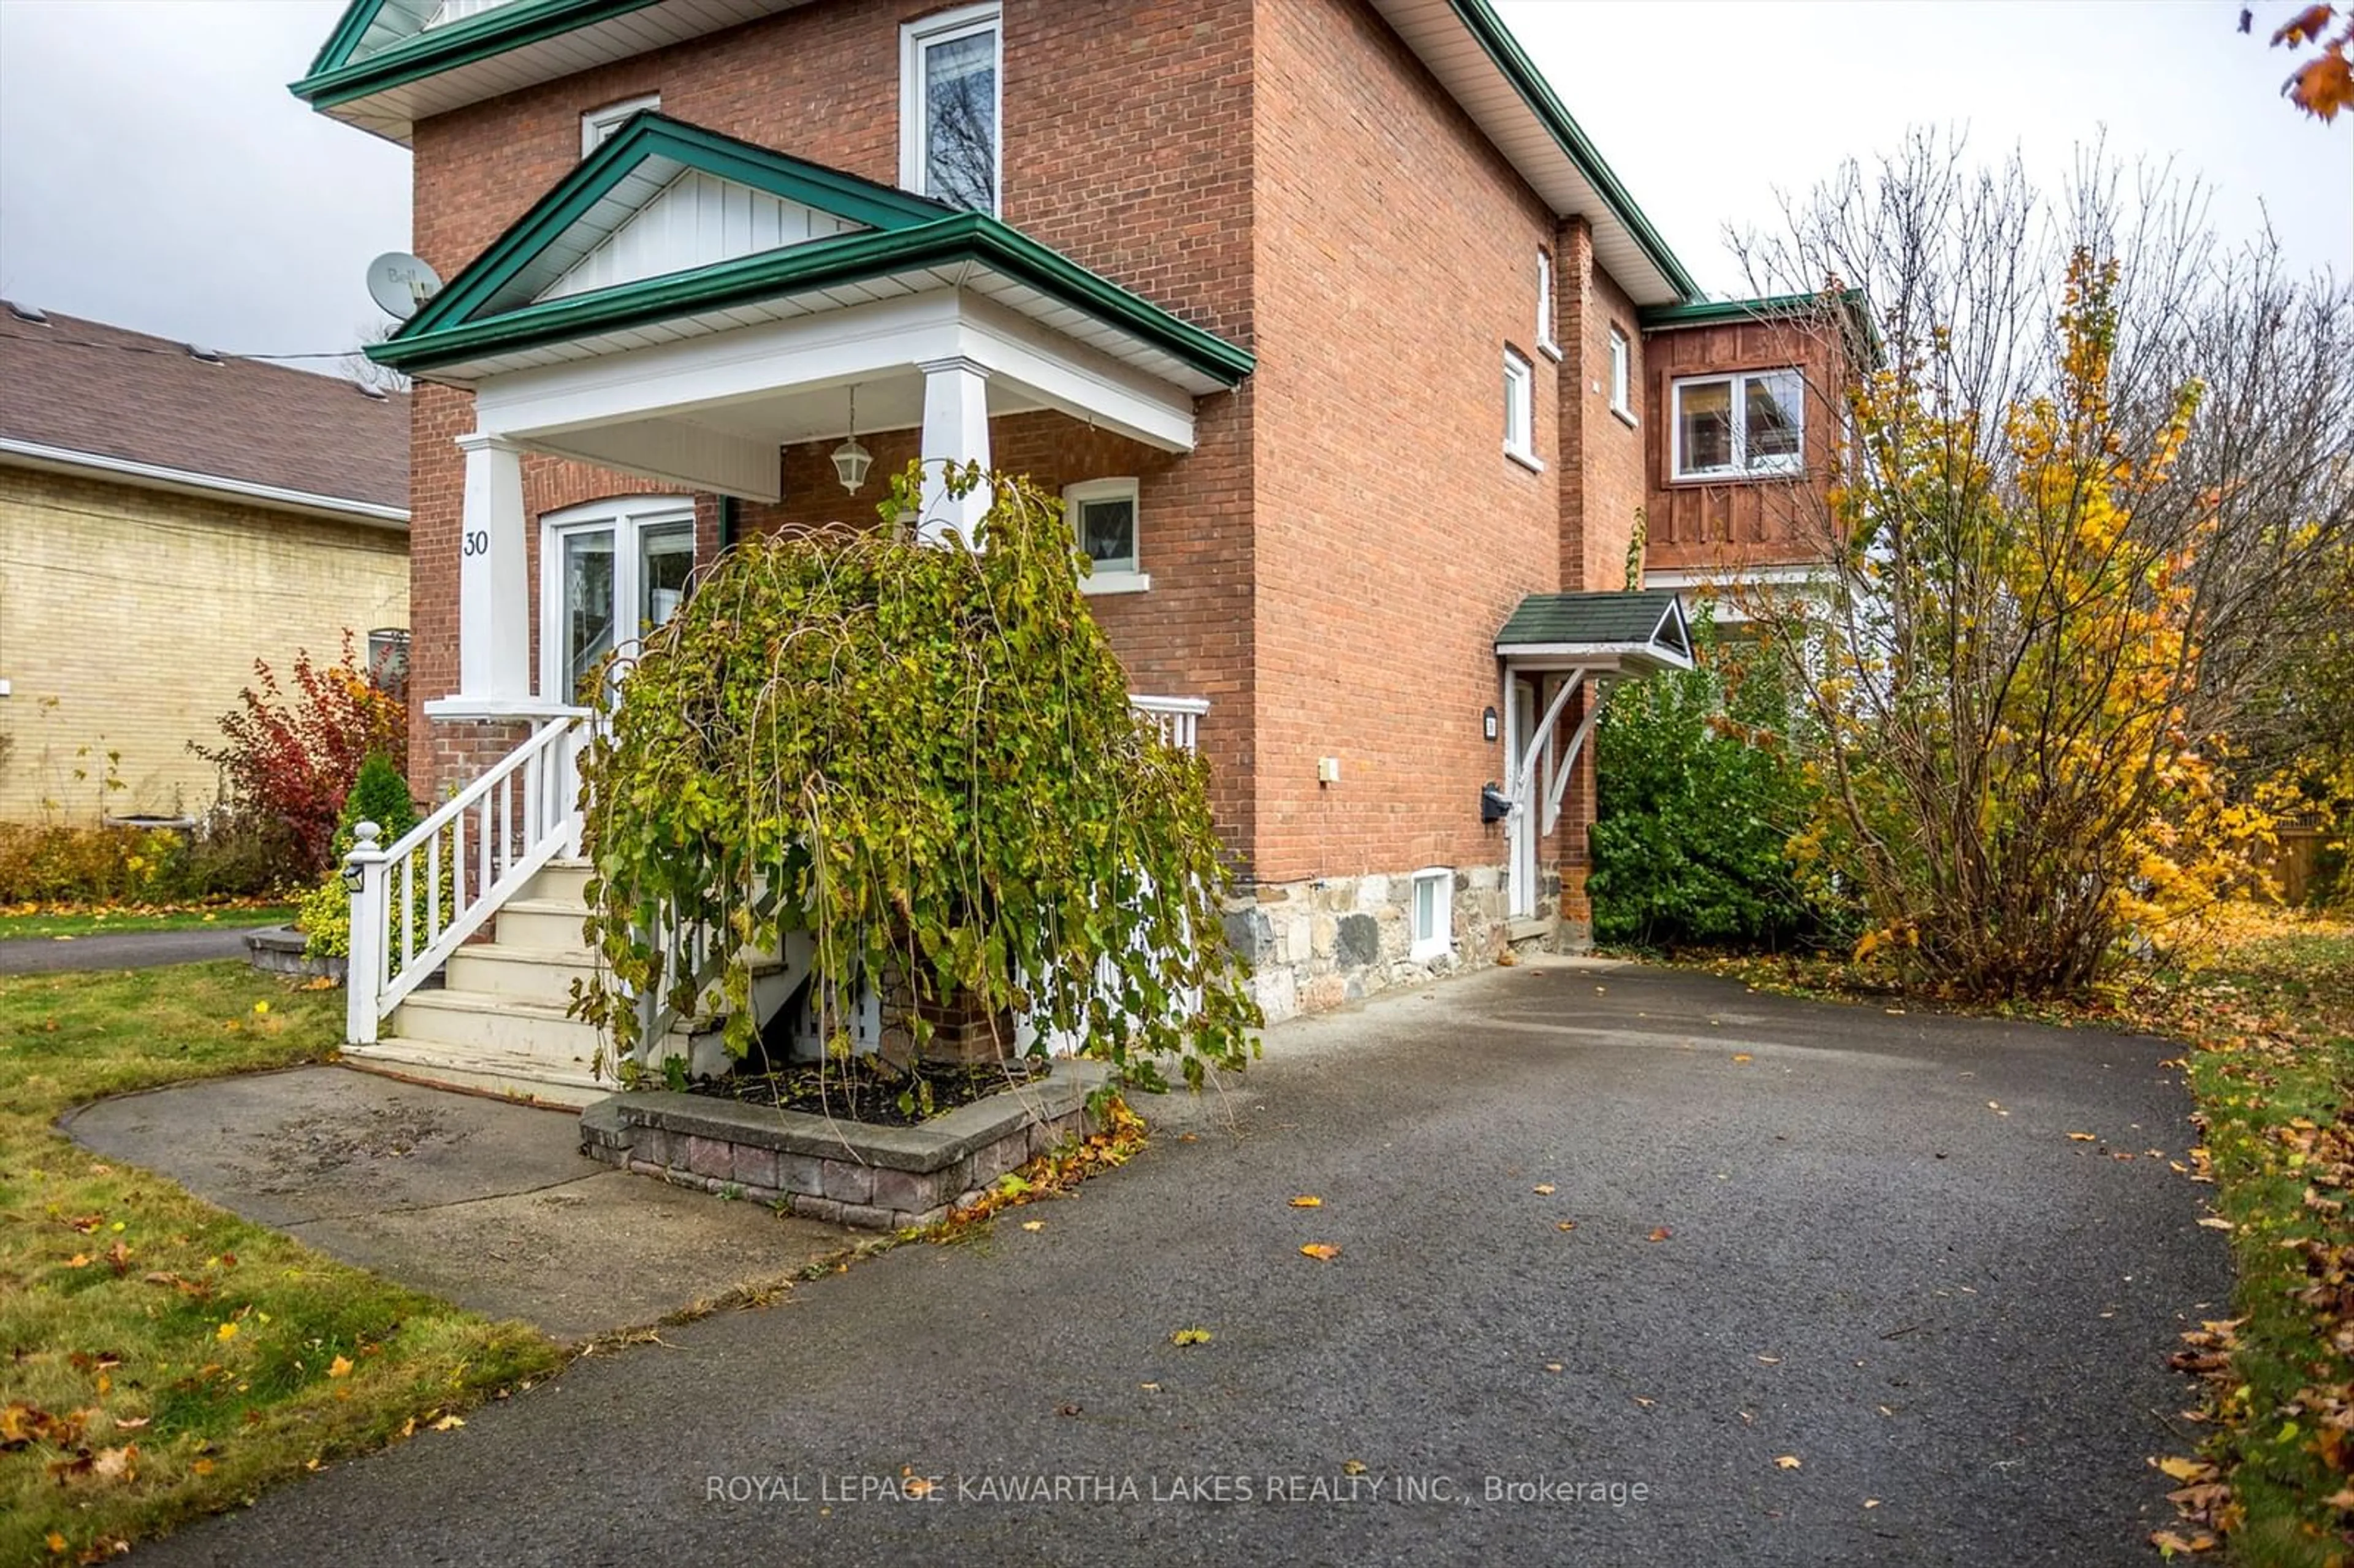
(1545, 345)
(628, 516)
(1440, 941)
(1135, 579)
(598, 125)
(1776, 467)
(915, 38)
(1520, 411)
(1622, 375)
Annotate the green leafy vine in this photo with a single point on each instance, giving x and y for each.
(925, 758)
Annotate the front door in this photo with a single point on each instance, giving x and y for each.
(1522, 828)
(609, 573)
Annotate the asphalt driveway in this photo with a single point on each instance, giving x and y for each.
(1888, 1263)
(121, 950)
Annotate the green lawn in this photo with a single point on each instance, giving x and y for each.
(168, 1359)
(103, 922)
(2276, 1085)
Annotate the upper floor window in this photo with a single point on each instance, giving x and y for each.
(1733, 427)
(948, 107)
(597, 126)
(1622, 360)
(1545, 343)
(1520, 412)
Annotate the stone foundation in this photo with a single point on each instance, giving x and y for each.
(876, 1177)
(1317, 945)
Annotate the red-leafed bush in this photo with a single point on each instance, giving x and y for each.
(289, 755)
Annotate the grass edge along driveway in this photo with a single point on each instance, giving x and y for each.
(166, 1360)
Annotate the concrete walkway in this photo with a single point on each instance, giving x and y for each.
(483, 1202)
(1880, 1256)
(120, 950)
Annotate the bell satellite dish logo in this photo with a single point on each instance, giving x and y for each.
(400, 284)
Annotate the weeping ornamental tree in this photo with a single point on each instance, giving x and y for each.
(2096, 475)
(925, 759)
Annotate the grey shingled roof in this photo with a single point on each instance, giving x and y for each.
(1549, 620)
(85, 386)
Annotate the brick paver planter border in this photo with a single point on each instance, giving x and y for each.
(844, 1172)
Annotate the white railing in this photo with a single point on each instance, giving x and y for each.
(1179, 718)
(414, 902)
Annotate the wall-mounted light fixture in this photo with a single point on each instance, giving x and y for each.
(1487, 723)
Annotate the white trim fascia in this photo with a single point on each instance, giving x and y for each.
(538, 406)
(186, 481)
(1678, 581)
(1588, 655)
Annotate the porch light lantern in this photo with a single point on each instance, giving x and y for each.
(851, 460)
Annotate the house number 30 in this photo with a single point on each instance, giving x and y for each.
(477, 543)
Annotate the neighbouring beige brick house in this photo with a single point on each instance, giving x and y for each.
(168, 515)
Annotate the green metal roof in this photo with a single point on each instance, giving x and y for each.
(385, 43)
(1488, 30)
(489, 309)
(1647, 623)
(1849, 302)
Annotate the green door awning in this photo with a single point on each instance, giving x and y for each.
(1635, 632)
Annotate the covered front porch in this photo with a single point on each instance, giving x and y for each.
(690, 312)
(683, 308)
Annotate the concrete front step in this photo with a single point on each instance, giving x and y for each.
(466, 1067)
(487, 1022)
(545, 925)
(527, 973)
(563, 880)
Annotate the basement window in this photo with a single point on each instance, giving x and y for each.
(1739, 426)
(1430, 915)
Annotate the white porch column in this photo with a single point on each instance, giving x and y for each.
(956, 430)
(494, 586)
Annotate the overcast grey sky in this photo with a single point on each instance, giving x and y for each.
(155, 173)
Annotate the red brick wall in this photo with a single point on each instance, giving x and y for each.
(1718, 527)
(1603, 479)
(1395, 261)
(1126, 145)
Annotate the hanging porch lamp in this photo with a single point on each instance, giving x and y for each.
(851, 460)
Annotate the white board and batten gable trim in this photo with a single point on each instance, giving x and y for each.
(696, 220)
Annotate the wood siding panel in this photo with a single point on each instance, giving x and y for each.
(1730, 524)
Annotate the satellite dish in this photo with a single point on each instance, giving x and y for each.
(400, 284)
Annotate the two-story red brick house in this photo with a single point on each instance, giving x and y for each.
(1344, 344)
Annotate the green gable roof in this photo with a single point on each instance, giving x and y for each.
(1648, 624)
(383, 43)
(493, 306)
